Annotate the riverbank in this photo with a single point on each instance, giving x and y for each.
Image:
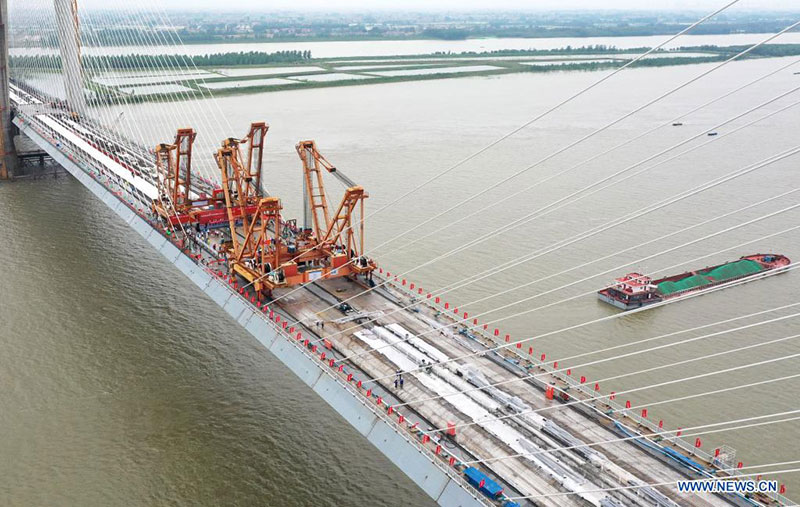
(358, 71)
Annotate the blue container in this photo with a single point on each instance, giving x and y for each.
(489, 488)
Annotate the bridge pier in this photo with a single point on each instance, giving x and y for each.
(8, 156)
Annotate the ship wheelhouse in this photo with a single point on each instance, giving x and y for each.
(633, 287)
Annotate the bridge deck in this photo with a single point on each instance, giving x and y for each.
(518, 472)
(551, 473)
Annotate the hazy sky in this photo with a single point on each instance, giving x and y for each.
(332, 5)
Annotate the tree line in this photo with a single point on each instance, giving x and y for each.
(136, 62)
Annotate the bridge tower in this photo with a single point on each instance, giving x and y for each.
(69, 43)
(8, 156)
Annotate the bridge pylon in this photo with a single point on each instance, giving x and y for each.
(8, 155)
(69, 44)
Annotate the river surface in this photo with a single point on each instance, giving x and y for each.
(422, 47)
(122, 386)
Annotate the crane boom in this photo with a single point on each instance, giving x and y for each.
(314, 188)
(336, 234)
(174, 173)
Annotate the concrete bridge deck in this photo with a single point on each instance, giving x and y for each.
(404, 439)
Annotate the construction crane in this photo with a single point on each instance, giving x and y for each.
(174, 174)
(269, 252)
(182, 200)
(241, 178)
(335, 234)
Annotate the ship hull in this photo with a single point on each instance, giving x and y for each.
(606, 297)
(616, 298)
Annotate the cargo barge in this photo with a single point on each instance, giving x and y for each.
(635, 290)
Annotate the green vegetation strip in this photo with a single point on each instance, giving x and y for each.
(300, 63)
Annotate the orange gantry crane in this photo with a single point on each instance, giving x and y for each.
(174, 175)
(341, 236)
(178, 203)
(263, 249)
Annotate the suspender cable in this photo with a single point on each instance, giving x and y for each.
(470, 326)
(688, 432)
(653, 484)
(594, 321)
(601, 129)
(493, 204)
(635, 390)
(565, 271)
(630, 354)
(595, 132)
(549, 208)
(535, 296)
(552, 109)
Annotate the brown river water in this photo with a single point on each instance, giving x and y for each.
(119, 385)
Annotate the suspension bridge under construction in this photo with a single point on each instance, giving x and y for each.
(471, 415)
